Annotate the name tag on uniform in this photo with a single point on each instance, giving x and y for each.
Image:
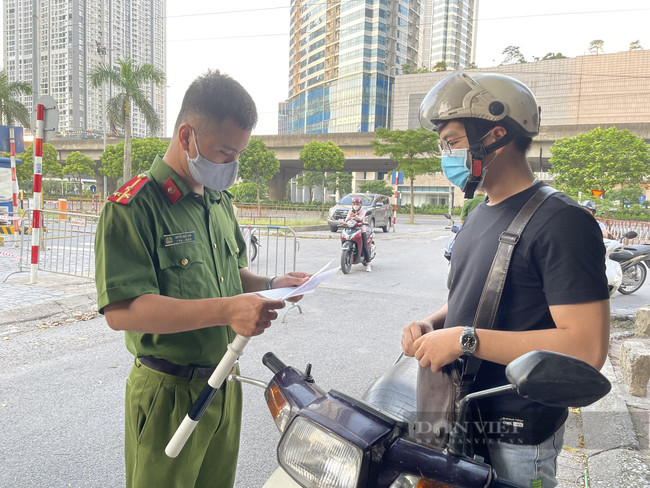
(182, 238)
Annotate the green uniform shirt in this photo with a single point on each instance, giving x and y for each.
(189, 249)
(470, 205)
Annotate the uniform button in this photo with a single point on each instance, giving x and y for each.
(171, 189)
(184, 262)
(214, 244)
(222, 279)
(237, 250)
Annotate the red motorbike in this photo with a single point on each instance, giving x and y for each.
(352, 249)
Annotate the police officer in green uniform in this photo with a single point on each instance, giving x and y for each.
(170, 272)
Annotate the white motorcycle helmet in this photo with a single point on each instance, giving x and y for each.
(488, 97)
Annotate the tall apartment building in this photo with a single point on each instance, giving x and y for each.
(75, 36)
(343, 57)
(449, 33)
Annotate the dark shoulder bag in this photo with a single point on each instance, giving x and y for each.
(439, 394)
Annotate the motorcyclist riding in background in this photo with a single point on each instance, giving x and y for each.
(590, 207)
(358, 213)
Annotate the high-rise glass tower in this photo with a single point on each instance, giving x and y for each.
(75, 36)
(343, 57)
(449, 33)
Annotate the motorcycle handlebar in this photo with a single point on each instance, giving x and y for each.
(272, 362)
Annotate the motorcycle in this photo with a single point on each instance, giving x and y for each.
(330, 439)
(633, 261)
(352, 248)
(450, 244)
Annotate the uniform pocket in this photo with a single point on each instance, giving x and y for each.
(231, 263)
(181, 268)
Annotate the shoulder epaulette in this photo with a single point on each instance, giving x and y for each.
(129, 189)
(228, 193)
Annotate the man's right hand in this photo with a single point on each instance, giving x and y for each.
(411, 333)
(251, 314)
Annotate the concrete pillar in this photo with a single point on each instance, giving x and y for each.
(635, 367)
(643, 322)
(278, 184)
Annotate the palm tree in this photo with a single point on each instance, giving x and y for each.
(12, 110)
(128, 79)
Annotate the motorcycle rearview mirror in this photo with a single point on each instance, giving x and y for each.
(447, 216)
(630, 235)
(557, 380)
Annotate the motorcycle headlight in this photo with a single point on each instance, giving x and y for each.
(316, 457)
(278, 405)
(410, 481)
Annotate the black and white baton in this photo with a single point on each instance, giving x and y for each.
(235, 349)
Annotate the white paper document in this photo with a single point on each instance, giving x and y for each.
(307, 287)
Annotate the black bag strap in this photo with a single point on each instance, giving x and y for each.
(493, 289)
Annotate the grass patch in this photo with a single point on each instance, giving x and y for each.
(626, 324)
(282, 222)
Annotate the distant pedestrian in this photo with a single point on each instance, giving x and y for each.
(471, 204)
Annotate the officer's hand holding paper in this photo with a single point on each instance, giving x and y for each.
(308, 287)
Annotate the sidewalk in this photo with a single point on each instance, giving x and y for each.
(608, 438)
(52, 294)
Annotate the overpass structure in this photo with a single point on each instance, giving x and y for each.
(359, 155)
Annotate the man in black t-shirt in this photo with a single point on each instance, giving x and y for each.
(555, 296)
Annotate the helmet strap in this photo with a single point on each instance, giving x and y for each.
(478, 153)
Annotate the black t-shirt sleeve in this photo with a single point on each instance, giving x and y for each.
(569, 256)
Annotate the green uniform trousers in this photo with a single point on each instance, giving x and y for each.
(156, 403)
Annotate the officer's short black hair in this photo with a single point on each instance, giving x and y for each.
(217, 97)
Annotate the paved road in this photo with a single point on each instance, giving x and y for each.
(62, 385)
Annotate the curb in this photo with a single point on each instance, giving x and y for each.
(614, 459)
(48, 308)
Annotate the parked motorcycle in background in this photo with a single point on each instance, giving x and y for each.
(351, 240)
(447, 253)
(632, 260)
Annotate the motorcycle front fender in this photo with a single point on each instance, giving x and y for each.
(280, 479)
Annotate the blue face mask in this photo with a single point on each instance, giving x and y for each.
(454, 167)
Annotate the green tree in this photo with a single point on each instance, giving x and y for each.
(128, 83)
(339, 182)
(143, 153)
(415, 151)
(440, 66)
(378, 186)
(596, 46)
(599, 160)
(78, 164)
(636, 46)
(308, 179)
(12, 110)
(627, 195)
(323, 157)
(51, 165)
(248, 191)
(407, 69)
(513, 55)
(258, 164)
(553, 56)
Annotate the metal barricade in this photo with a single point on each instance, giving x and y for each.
(271, 249)
(67, 243)
(618, 228)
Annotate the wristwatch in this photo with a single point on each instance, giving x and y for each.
(269, 282)
(468, 340)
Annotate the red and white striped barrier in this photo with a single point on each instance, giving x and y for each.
(14, 181)
(38, 198)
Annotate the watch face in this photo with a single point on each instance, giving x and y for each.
(469, 341)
